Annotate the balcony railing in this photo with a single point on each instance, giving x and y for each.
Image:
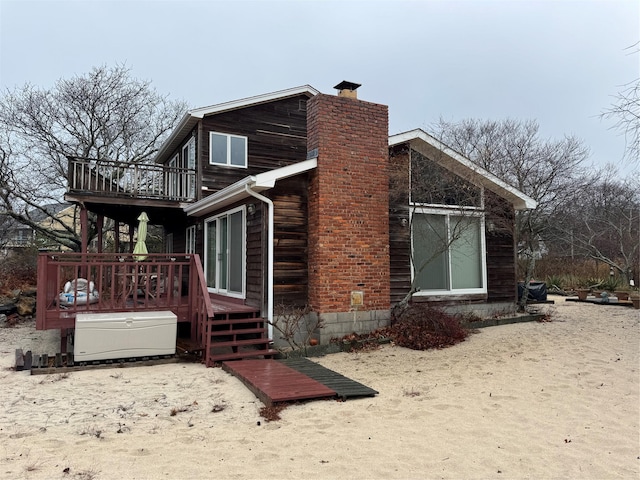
(145, 181)
(72, 283)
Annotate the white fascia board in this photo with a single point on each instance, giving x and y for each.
(237, 191)
(191, 118)
(269, 179)
(519, 200)
(256, 100)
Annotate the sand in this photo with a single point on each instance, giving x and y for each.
(530, 400)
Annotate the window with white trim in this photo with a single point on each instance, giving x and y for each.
(448, 252)
(168, 243)
(226, 149)
(190, 240)
(447, 231)
(225, 253)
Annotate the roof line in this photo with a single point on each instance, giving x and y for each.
(236, 191)
(191, 117)
(520, 200)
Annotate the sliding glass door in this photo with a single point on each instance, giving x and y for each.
(225, 253)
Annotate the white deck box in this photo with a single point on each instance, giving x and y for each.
(104, 336)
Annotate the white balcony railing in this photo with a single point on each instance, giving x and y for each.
(110, 178)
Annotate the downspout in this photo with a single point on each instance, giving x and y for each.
(269, 258)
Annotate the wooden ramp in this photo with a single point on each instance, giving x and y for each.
(344, 387)
(274, 381)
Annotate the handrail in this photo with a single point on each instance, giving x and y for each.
(203, 286)
(120, 283)
(139, 180)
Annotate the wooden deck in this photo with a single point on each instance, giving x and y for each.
(274, 381)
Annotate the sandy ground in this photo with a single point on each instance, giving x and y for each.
(533, 400)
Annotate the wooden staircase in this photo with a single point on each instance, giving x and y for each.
(235, 332)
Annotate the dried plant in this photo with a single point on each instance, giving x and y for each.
(272, 413)
(295, 326)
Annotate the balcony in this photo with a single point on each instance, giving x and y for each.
(117, 180)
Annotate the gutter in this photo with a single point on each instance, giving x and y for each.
(270, 257)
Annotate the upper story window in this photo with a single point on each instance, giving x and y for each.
(225, 149)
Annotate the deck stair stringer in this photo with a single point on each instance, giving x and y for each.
(235, 332)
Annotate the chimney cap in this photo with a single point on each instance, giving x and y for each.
(346, 85)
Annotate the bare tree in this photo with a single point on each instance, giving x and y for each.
(549, 171)
(443, 212)
(104, 114)
(625, 112)
(604, 223)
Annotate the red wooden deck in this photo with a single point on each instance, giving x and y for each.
(273, 382)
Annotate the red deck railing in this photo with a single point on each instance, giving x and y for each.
(72, 283)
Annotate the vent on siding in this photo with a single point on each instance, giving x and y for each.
(302, 105)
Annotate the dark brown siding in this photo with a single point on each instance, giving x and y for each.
(501, 267)
(399, 234)
(291, 278)
(276, 137)
(256, 255)
(501, 255)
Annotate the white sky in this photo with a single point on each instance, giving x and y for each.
(558, 62)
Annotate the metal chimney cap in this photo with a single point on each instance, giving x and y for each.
(345, 85)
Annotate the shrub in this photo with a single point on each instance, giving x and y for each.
(19, 269)
(421, 328)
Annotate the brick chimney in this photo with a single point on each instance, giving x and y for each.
(348, 212)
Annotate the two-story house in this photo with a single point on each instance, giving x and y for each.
(299, 198)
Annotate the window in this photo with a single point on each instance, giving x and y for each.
(190, 242)
(189, 162)
(227, 149)
(173, 178)
(225, 253)
(168, 243)
(448, 252)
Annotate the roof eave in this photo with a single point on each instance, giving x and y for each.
(191, 118)
(519, 200)
(238, 191)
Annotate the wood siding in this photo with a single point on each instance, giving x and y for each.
(291, 276)
(501, 252)
(399, 234)
(500, 247)
(276, 137)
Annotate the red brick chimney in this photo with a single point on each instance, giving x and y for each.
(349, 207)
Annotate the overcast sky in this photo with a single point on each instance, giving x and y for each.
(558, 62)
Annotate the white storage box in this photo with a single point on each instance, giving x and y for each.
(104, 336)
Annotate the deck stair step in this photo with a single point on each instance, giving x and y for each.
(238, 321)
(246, 354)
(235, 332)
(241, 343)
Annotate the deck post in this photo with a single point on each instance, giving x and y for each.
(131, 227)
(99, 227)
(84, 239)
(63, 339)
(116, 236)
(84, 229)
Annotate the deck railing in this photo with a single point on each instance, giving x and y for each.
(112, 178)
(72, 283)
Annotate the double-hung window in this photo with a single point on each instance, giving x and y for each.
(226, 149)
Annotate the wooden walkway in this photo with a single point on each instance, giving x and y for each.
(274, 381)
(344, 387)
